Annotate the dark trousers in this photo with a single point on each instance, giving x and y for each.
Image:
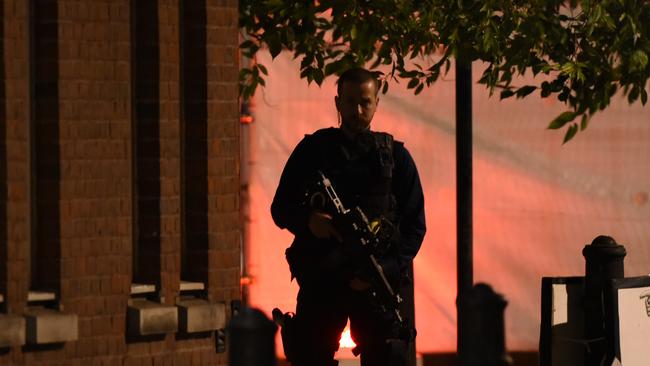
(321, 316)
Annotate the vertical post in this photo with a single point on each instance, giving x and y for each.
(252, 339)
(246, 118)
(485, 340)
(464, 228)
(604, 262)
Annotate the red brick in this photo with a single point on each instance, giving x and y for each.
(95, 153)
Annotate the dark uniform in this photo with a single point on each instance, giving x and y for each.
(372, 172)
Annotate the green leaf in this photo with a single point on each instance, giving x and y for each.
(573, 129)
(247, 44)
(546, 89)
(384, 88)
(638, 60)
(318, 76)
(275, 46)
(243, 73)
(419, 89)
(634, 94)
(263, 69)
(584, 122)
(525, 90)
(413, 83)
(274, 3)
(335, 67)
(507, 93)
(561, 120)
(306, 61)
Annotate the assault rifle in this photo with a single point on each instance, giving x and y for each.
(360, 233)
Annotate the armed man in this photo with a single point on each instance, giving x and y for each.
(340, 274)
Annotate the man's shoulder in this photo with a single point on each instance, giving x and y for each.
(321, 135)
(324, 132)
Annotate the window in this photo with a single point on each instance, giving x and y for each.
(194, 146)
(45, 163)
(146, 146)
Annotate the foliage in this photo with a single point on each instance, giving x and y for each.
(581, 52)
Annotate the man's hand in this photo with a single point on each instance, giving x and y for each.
(320, 224)
(358, 284)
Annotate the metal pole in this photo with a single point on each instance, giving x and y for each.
(464, 229)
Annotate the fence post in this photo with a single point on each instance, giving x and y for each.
(604, 262)
(485, 338)
(251, 339)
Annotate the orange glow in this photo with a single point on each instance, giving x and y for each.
(245, 119)
(346, 339)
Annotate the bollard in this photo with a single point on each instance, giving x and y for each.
(485, 333)
(604, 262)
(252, 339)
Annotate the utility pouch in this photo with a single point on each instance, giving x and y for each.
(288, 332)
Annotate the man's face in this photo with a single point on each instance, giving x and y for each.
(357, 104)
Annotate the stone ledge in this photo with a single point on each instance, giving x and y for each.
(12, 330)
(192, 286)
(45, 326)
(142, 288)
(145, 317)
(40, 296)
(198, 315)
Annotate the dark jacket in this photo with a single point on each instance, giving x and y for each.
(355, 173)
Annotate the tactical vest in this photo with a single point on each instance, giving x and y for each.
(360, 170)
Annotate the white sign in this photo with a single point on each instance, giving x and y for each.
(634, 325)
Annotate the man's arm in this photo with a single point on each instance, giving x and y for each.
(410, 205)
(287, 209)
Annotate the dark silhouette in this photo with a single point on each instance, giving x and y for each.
(4, 239)
(194, 131)
(146, 175)
(45, 159)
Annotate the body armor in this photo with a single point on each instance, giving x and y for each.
(362, 172)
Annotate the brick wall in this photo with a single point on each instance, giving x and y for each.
(222, 148)
(89, 139)
(3, 174)
(170, 142)
(16, 161)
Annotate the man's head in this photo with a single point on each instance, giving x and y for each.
(357, 99)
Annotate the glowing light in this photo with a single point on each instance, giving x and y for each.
(346, 339)
(244, 119)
